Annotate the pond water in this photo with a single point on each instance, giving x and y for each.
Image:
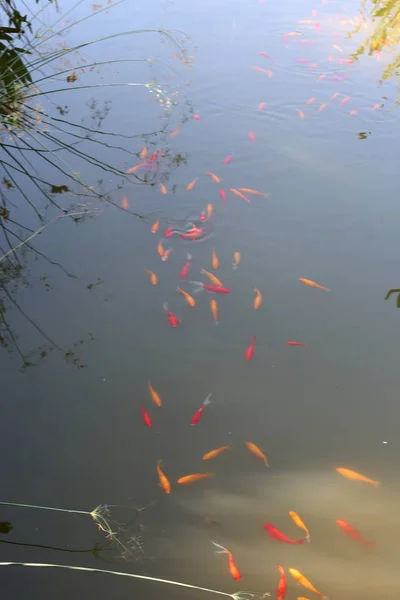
(74, 438)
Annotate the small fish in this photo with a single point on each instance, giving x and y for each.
(234, 571)
(228, 159)
(215, 289)
(298, 521)
(135, 168)
(313, 284)
(323, 76)
(310, 101)
(304, 43)
(169, 232)
(301, 580)
(266, 71)
(260, 106)
(302, 60)
(185, 269)
(163, 189)
(352, 113)
(278, 535)
(322, 107)
(155, 227)
(194, 477)
(376, 107)
(258, 298)
(282, 585)
(154, 156)
(198, 414)
(210, 209)
(252, 192)
(331, 58)
(146, 417)
(292, 343)
(154, 395)
(216, 452)
(214, 177)
(257, 452)
(252, 136)
(265, 55)
(236, 260)
(189, 299)
(193, 234)
(313, 66)
(211, 277)
(292, 33)
(214, 260)
(172, 319)
(153, 277)
(344, 100)
(314, 12)
(353, 533)
(166, 254)
(164, 483)
(125, 203)
(222, 194)
(197, 117)
(306, 21)
(143, 152)
(191, 185)
(175, 131)
(160, 248)
(214, 310)
(356, 476)
(239, 194)
(301, 114)
(335, 95)
(337, 47)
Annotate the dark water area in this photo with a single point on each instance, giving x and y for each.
(74, 438)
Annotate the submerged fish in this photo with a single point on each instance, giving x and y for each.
(257, 299)
(356, 476)
(353, 533)
(154, 395)
(250, 349)
(191, 185)
(282, 585)
(153, 277)
(275, 534)
(214, 310)
(199, 412)
(216, 452)
(194, 477)
(211, 277)
(189, 299)
(313, 284)
(298, 521)
(234, 571)
(257, 452)
(164, 483)
(214, 260)
(301, 580)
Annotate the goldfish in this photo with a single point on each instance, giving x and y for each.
(282, 585)
(143, 152)
(163, 189)
(304, 43)
(352, 113)
(193, 477)
(216, 452)
(155, 227)
(301, 580)
(214, 310)
(314, 12)
(185, 269)
(275, 534)
(214, 260)
(298, 521)
(265, 55)
(310, 101)
(160, 249)
(313, 66)
(197, 117)
(146, 417)
(234, 571)
(125, 203)
(306, 21)
(260, 106)
(266, 71)
(337, 47)
(322, 107)
(353, 533)
(293, 343)
(164, 483)
(335, 95)
(250, 350)
(172, 319)
(198, 414)
(236, 260)
(154, 156)
(210, 210)
(166, 254)
(344, 100)
(302, 60)
(154, 395)
(211, 277)
(215, 289)
(175, 131)
(257, 299)
(252, 136)
(301, 114)
(169, 232)
(222, 193)
(356, 476)
(313, 284)
(153, 277)
(189, 299)
(323, 76)
(191, 185)
(228, 159)
(252, 192)
(376, 107)
(214, 177)
(257, 452)
(135, 168)
(239, 194)
(292, 33)
(192, 234)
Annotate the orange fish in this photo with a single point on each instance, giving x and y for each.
(257, 299)
(292, 33)
(163, 189)
(160, 248)
(154, 395)
(252, 192)
(298, 521)
(214, 260)
(125, 203)
(335, 95)
(323, 76)
(376, 107)
(310, 101)
(352, 113)
(252, 136)
(166, 254)
(214, 177)
(344, 100)
(257, 452)
(164, 483)
(356, 476)
(194, 477)
(301, 580)
(337, 47)
(239, 194)
(175, 131)
(353, 533)
(301, 114)
(155, 227)
(143, 152)
(153, 277)
(214, 280)
(236, 260)
(322, 107)
(266, 71)
(234, 571)
(189, 299)
(313, 284)
(191, 185)
(216, 452)
(210, 209)
(313, 66)
(197, 117)
(214, 310)
(261, 106)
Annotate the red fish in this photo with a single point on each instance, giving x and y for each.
(197, 415)
(168, 232)
(185, 270)
(282, 585)
(302, 60)
(227, 160)
(172, 319)
(197, 117)
(266, 55)
(215, 289)
(234, 571)
(353, 533)
(252, 136)
(250, 349)
(146, 417)
(193, 234)
(154, 156)
(291, 343)
(222, 193)
(275, 534)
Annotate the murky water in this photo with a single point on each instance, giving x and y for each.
(74, 438)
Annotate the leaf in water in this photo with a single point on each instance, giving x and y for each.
(7, 184)
(362, 135)
(398, 301)
(4, 213)
(59, 189)
(5, 527)
(72, 78)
